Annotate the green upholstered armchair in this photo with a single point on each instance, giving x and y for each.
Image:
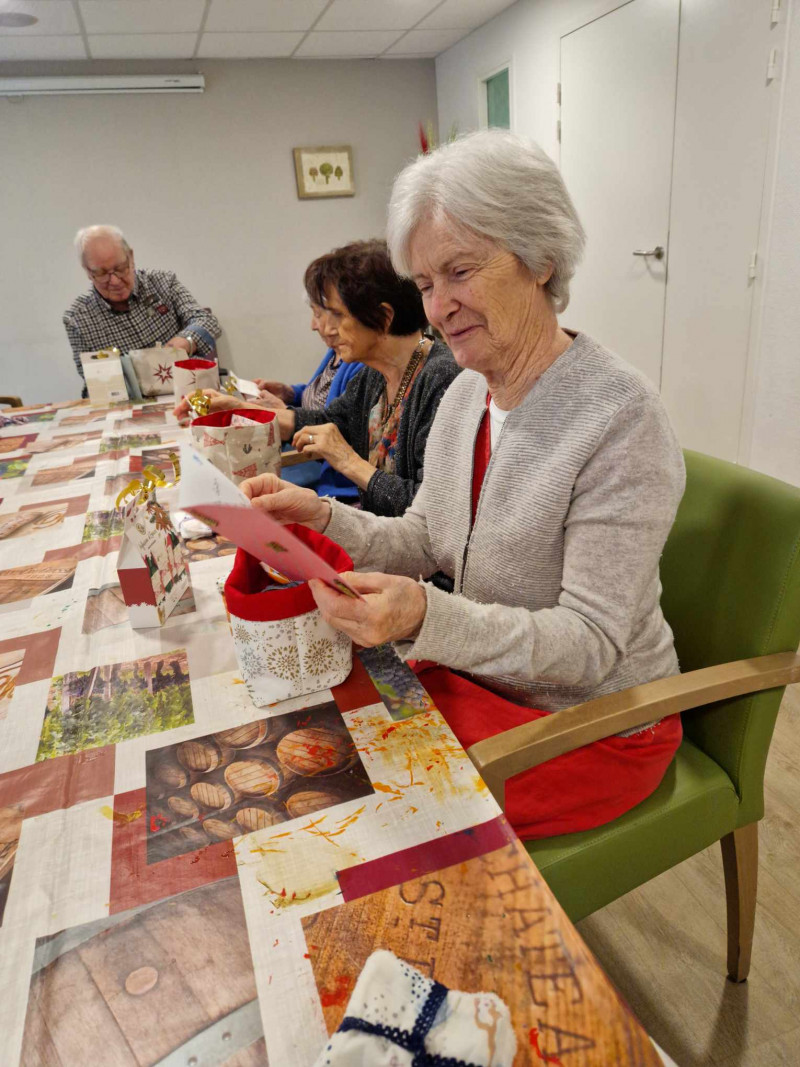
(731, 592)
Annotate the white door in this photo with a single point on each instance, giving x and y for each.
(618, 77)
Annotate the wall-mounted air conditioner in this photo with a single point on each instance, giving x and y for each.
(100, 83)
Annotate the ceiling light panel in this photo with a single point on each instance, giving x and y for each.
(369, 15)
(455, 14)
(143, 45)
(426, 42)
(136, 16)
(51, 18)
(62, 47)
(248, 16)
(360, 45)
(248, 45)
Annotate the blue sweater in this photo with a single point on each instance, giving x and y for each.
(321, 476)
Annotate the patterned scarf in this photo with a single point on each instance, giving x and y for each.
(383, 429)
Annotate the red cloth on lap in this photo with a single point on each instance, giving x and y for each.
(577, 791)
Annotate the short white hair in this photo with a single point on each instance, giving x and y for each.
(90, 233)
(498, 185)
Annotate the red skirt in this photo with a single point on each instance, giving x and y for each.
(577, 791)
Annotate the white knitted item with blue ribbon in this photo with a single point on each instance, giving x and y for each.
(396, 1017)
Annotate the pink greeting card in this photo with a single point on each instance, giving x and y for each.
(211, 497)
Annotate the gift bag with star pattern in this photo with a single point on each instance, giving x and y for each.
(154, 368)
(283, 645)
(241, 443)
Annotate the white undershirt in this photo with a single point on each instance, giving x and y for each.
(496, 419)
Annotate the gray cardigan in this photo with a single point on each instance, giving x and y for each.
(557, 586)
(390, 494)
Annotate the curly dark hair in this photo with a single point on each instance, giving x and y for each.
(364, 278)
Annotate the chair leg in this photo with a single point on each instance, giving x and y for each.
(740, 864)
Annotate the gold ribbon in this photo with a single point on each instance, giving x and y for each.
(232, 384)
(199, 402)
(104, 353)
(152, 478)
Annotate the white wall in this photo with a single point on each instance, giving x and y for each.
(528, 36)
(776, 425)
(203, 185)
(700, 382)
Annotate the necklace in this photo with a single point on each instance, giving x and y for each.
(408, 374)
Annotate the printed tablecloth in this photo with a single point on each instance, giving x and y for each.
(188, 879)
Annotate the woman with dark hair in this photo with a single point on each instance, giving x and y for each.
(327, 383)
(375, 433)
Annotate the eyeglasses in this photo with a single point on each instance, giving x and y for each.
(103, 275)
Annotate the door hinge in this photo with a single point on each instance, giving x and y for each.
(752, 270)
(774, 17)
(558, 131)
(772, 65)
(558, 92)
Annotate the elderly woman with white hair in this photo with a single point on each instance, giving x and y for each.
(552, 477)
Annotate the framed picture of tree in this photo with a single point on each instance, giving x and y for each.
(324, 171)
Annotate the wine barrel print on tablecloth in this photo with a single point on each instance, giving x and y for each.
(307, 801)
(147, 987)
(315, 750)
(203, 754)
(214, 792)
(251, 733)
(250, 777)
(171, 774)
(260, 816)
(255, 776)
(183, 806)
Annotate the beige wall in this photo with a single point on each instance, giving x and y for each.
(203, 185)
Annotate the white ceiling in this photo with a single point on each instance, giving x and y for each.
(240, 29)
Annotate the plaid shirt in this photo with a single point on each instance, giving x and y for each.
(159, 308)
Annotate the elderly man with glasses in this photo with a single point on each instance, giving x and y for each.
(129, 308)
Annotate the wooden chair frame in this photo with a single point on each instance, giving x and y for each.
(523, 747)
(291, 458)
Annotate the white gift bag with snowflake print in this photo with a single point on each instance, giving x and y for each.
(283, 645)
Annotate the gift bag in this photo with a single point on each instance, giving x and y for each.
(191, 374)
(240, 442)
(104, 377)
(153, 367)
(153, 573)
(283, 645)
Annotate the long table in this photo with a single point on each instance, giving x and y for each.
(188, 879)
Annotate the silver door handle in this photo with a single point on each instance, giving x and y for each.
(656, 253)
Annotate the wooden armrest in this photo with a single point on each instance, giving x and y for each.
(292, 457)
(500, 757)
(12, 401)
